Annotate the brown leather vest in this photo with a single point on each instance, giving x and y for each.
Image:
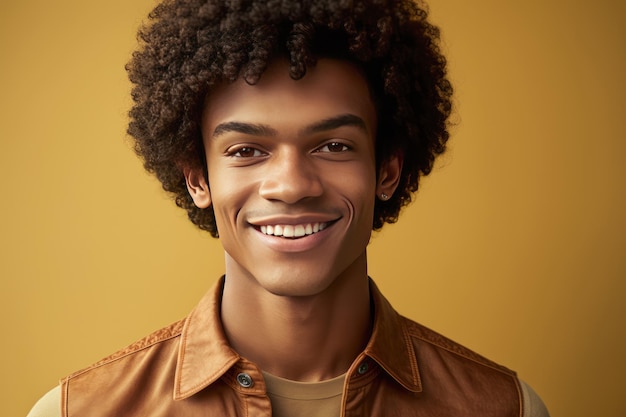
(188, 370)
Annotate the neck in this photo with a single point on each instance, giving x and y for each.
(304, 338)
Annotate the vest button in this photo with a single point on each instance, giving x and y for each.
(245, 380)
(363, 368)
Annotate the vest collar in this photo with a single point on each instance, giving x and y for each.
(390, 344)
(205, 355)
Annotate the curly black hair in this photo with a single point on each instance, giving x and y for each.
(190, 46)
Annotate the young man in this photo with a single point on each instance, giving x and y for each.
(291, 129)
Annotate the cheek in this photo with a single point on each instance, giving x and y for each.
(228, 194)
(228, 200)
(358, 188)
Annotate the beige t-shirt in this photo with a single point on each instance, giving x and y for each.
(329, 404)
(304, 399)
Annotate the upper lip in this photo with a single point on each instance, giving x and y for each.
(292, 219)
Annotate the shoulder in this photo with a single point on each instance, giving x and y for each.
(161, 340)
(424, 338)
(153, 345)
(124, 377)
(452, 371)
(435, 349)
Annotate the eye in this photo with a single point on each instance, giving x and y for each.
(245, 152)
(333, 147)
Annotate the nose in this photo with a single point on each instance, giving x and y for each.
(290, 177)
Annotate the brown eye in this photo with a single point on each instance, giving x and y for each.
(333, 147)
(246, 152)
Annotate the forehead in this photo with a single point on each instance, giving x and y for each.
(330, 88)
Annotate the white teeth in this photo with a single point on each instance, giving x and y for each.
(291, 231)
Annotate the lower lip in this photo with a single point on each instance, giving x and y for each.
(290, 245)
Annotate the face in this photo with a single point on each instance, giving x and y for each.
(292, 177)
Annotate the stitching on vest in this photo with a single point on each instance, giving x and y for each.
(172, 331)
(411, 351)
(430, 336)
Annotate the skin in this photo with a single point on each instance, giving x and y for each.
(294, 155)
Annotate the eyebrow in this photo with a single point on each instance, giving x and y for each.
(335, 123)
(245, 128)
(256, 129)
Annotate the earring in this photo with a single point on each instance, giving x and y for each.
(384, 197)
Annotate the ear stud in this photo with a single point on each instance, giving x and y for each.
(384, 197)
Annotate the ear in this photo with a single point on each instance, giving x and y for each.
(198, 187)
(389, 176)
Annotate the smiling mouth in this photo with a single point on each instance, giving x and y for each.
(293, 231)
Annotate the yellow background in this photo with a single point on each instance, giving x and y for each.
(514, 246)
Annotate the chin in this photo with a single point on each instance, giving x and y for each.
(293, 284)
